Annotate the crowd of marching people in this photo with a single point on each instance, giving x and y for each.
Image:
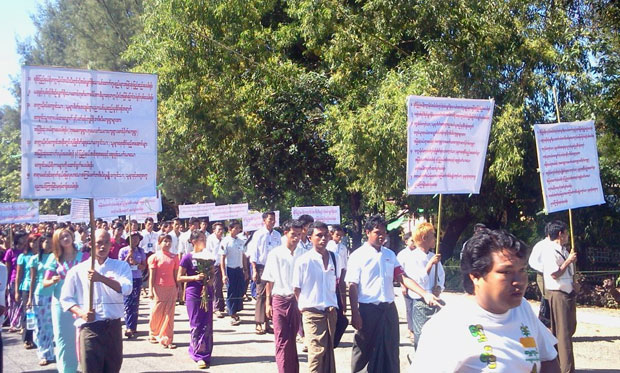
(299, 275)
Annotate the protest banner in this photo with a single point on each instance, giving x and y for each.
(19, 212)
(50, 218)
(568, 165)
(254, 221)
(90, 134)
(126, 206)
(226, 212)
(197, 210)
(447, 141)
(326, 214)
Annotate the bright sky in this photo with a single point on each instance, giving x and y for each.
(15, 23)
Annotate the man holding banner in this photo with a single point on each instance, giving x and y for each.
(101, 344)
(558, 270)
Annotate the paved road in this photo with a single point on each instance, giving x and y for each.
(238, 349)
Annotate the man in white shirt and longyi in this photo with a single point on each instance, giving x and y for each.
(101, 345)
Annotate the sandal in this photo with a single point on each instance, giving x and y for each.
(43, 362)
(153, 340)
(260, 330)
(170, 346)
(235, 321)
(201, 364)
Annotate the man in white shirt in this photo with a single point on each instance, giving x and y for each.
(372, 269)
(424, 267)
(213, 248)
(535, 261)
(149, 237)
(314, 282)
(263, 241)
(234, 271)
(494, 328)
(185, 247)
(558, 271)
(281, 302)
(101, 345)
(339, 248)
(304, 244)
(175, 233)
(409, 301)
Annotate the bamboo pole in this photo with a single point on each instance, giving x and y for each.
(437, 240)
(93, 250)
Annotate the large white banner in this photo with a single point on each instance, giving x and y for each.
(254, 221)
(90, 134)
(447, 141)
(568, 164)
(197, 210)
(126, 206)
(51, 218)
(226, 212)
(326, 214)
(19, 212)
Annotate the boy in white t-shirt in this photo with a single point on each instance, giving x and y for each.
(494, 329)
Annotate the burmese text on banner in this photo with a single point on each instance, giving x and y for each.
(19, 212)
(568, 164)
(89, 134)
(447, 141)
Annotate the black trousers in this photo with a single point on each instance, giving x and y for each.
(375, 345)
(101, 347)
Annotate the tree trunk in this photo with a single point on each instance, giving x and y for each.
(355, 203)
(452, 233)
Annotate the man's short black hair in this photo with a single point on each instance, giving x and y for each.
(477, 258)
(374, 222)
(149, 219)
(317, 225)
(234, 223)
(290, 224)
(193, 220)
(407, 236)
(337, 228)
(306, 219)
(269, 213)
(554, 228)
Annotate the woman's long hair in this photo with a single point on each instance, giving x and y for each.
(56, 248)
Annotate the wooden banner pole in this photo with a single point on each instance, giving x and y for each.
(570, 211)
(93, 250)
(438, 236)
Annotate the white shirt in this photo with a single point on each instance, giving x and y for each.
(552, 259)
(373, 272)
(213, 247)
(302, 247)
(341, 252)
(107, 303)
(317, 284)
(261, 243)
(185, 247)
(174, 248)
(535, 260)
(233, 249)
(279, 270)
(469, 336)
(415, 268)
(149, 241)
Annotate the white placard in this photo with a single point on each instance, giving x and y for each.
(447, 141)
(51, 218)
(90, 134)
(80, 211)
(19, 212)
(65, 218)
(225, 212)
(126, 206)
(326, 214)
(141, 218)
(254, 221)
(568, 164)
(197, 210)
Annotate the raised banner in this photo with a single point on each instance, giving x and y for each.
(197, 210)
(80, 211)
(568, 165)
(254, 221)
(90, 134)
(19, 212)
(126, 206)
(447, 141)
(226, 212)
(326, 214)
